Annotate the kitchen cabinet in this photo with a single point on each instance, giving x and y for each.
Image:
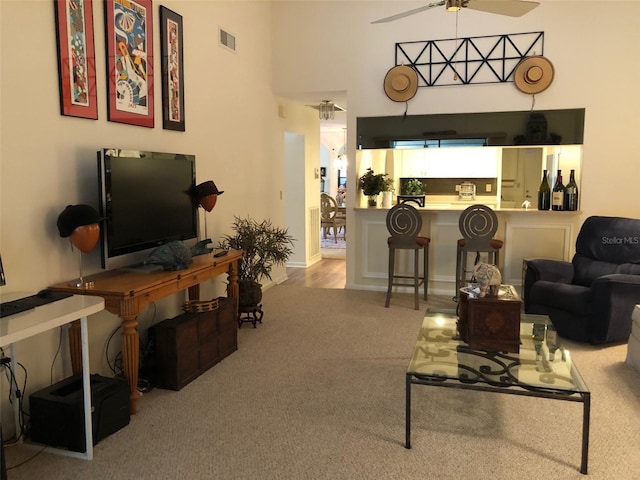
(463, 162)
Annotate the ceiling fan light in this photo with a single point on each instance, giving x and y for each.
(326, 110)
(453, 5)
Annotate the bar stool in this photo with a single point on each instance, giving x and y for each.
(404, 223)
(478, 224)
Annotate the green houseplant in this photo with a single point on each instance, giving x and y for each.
(414, 187)
(265, 245)
(372, 184)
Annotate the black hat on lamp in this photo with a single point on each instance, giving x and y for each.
(207, 196)
(81, 224)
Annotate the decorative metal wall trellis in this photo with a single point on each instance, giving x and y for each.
(456, 61)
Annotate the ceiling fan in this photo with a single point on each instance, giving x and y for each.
(511, 8)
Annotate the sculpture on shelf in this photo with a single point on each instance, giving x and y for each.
(206, 195)
(81, 223)
(176, 255)
(488, 277)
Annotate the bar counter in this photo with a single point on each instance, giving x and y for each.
(527, 233)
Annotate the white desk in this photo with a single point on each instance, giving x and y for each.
(47, 317)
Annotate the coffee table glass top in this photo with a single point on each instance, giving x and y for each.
(541, 364)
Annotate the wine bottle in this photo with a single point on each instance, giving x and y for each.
(544, 193)
(557, 195)
(571, 193)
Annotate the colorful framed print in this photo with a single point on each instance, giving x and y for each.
(172, 70)
(76, 58)
(129, 40)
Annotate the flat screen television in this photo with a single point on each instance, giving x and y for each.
(146, 199)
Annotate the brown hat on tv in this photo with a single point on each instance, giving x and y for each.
(207, 188)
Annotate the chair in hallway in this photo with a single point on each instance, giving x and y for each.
(330, 217)
(478, 224)
(404, 223)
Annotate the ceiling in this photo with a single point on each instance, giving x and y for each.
(332, 132)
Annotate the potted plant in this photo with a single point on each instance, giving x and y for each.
(387, 192)
(264, 245)
(372, 184)
(413, 191)
(414, 187)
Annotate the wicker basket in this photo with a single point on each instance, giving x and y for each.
(197, 306)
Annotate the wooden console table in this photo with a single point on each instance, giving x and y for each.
(127, 292)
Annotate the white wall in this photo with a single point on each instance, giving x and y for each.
(590, 43)
(48, 161)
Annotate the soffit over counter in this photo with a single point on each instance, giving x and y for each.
(544, 127)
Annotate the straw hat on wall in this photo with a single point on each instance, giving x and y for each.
(401, 83)
(533, 74)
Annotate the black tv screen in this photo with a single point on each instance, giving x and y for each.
(147, 200)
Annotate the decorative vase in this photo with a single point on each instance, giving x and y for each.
(387, 198)
(373, 200)
(250, 294)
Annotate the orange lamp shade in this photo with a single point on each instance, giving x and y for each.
(208, 202)
(85, 237)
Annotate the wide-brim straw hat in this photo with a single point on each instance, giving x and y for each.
(533, 74)
(401, 83)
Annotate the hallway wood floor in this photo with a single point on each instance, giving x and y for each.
(327, 273)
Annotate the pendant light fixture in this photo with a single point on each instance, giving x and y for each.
(326, 110)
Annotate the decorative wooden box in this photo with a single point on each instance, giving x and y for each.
(191, 343)
(491, 323)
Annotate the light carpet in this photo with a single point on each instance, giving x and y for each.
(330, 248)
(318, 392)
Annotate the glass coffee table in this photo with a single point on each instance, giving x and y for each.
(542, 367)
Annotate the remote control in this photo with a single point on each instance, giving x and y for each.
(221, 253)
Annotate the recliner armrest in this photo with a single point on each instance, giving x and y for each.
(551, 270)
(544, 269)
(613, 298)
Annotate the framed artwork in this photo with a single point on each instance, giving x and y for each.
(76, 58)
(172, 70)
(129, 40)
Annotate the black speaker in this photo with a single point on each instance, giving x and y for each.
(57, 412)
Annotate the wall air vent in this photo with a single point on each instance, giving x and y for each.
(226, 39)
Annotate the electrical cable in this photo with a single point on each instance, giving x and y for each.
(26, 460)
(56, 356)
(19, 395)
(112, 367)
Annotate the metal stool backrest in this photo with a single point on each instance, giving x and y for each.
(404, 223)
(478, 224)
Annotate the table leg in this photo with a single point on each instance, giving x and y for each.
(130, 357)
(233, 289)
(585, 432)
(86, 387)
(75, 346)
(407, 440)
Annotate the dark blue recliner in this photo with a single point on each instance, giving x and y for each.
(590, 299)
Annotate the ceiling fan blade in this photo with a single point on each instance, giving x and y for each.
(410, 12)
(510, 8)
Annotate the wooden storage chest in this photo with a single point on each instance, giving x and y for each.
(191, 343)
(491, 323)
